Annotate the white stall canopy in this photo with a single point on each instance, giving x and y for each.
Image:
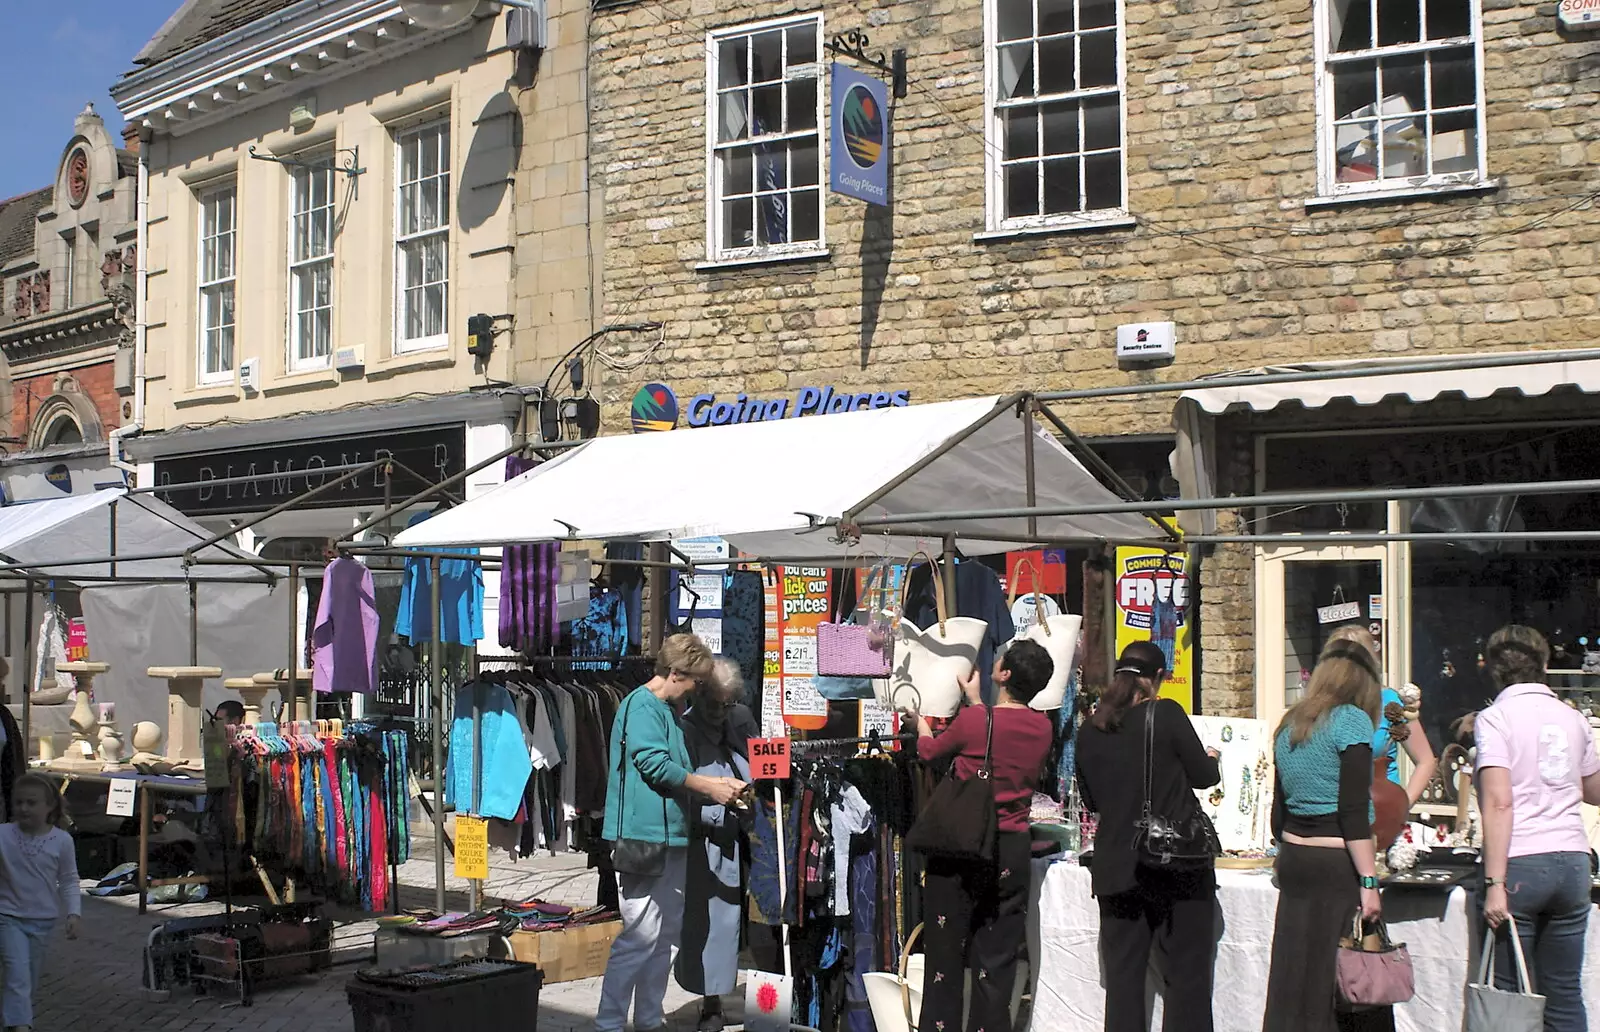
(765, 486)
(77, 529)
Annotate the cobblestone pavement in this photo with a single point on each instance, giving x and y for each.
(94, 982)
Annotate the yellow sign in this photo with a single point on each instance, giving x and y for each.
(472, 848)
(1152, 598)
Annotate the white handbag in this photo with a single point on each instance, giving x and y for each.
(1059, 636)
(1495, 1010)
(930, 664)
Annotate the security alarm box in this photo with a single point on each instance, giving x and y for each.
(1146, 342)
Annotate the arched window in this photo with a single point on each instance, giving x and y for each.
(64, 429)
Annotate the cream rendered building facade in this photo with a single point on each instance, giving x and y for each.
(331, 190)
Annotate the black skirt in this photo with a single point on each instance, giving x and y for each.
(1318, 894)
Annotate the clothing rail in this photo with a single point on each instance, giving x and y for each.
(825, 743)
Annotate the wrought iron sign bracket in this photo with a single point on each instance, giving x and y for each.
(854, 44)
(350, 166)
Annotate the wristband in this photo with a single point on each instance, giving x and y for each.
(1369, 881)
(1490, 883)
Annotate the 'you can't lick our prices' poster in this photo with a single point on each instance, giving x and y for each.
(1152, 600)
(797, 602)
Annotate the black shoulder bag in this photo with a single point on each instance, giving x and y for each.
(1163, 841)
(635, 856)
(960, 821)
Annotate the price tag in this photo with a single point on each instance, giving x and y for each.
(472, 848)
(769, 758)
(119, 802)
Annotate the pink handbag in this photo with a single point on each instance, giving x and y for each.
(866, 649)
(1372, 971)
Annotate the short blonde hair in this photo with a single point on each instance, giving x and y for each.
(684, 654)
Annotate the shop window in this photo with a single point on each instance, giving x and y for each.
(764, 145)
(1055, 128)
(422, 238)
(218, 270)
(1400, 102)
(311, 232)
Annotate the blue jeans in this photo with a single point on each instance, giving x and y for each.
(22, 943)
(1549, 898)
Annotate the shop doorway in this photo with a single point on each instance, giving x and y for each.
(1302, 594)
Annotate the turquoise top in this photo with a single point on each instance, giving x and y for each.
(1382, 744)
(656, 767)
(1309, 772)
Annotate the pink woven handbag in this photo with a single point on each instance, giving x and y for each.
(846, 648)
(1372, 971)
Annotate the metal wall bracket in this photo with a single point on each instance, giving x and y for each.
(855, 43)
(351, 166)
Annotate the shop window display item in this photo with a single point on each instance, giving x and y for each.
(1240, 806)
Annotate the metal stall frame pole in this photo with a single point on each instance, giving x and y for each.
(436, 688)
(28, 645)
(194, 625)
(1102, 467)
(949, 573)
(290, 697)
(1029, 406)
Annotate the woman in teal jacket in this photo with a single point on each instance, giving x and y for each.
(649, 781)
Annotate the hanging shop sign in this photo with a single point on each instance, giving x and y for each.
(1152, 600)
(862, 152)
(428, 455)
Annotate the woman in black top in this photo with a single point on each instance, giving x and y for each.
(1139, 903)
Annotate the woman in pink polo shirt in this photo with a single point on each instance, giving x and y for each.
(1536, 764)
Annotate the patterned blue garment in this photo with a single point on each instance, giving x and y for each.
(744, 630)
(604, 631)
(1067, 730)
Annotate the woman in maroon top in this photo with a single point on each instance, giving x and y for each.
(975, 914)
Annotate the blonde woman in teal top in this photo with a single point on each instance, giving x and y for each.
(648, 785)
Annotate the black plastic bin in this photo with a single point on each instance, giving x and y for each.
(462, 994)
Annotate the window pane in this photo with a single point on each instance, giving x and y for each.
(1098, 52)
(433, 258)
(1057, 69)
(1455, 142)
(1016, 71)
(766, 58)
(1014, 18)
(1355, 85)
(766, 105)
(409, 150)
(733, 62)
(1402, 76)
(433, 309)
(1056, 16)
(430, 154)
(772, 171)
(803, 45)
(807, 215)
(1021, 129)
(1102, 123)
(1061, 186)
(733, 123)
(738, 225)
(1350, 24)
(322, 286)
(1097, 14)
(738, 171)
(772, 219)
(225, 257)
(413, 314)
(1399, 21)
(1102, 180)
(1448, 19)
(1022, 190)
(803, 164)
(1060, 127)
(802, 104)
(1455, 82)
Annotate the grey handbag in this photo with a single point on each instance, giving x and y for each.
(1495, 1010)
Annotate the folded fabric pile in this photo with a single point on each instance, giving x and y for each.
(531, 915)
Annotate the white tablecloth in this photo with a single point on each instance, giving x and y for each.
(1068, 995)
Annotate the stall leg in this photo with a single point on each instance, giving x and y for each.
(436, 688)
(144, 847)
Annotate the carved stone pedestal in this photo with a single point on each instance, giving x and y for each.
(81, 753)
(185, 712)
(252, 693)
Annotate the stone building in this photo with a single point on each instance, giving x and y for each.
(1286, 183)
(336, 191)
(66, 318)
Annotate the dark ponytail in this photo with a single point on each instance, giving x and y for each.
(1138, 674)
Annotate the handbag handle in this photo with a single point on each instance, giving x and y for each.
(905, 961)
(1149, 756)
(1038, 608)
(938, 587)
(1487, 964)
(1358, 931)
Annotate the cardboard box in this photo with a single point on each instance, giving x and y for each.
(569, 954)
(1455, 151)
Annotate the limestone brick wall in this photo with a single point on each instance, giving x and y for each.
(1221, 145)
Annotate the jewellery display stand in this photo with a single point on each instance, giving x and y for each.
(81, 754)
(184, 711)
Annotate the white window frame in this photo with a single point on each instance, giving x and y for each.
(404, 345)
(302, 208)
(217, 286)
(994, 132)
(1326, 58)
(715, 252)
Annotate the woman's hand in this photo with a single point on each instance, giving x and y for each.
(1496, 908)
(725, 791)
(73, 923)
(1213, 754)
(1371, 905)
(924, 729)
(972, 687)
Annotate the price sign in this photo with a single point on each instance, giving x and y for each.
(119, 802)
(472, 848)
(769, 758)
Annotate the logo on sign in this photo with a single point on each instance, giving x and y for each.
(1149, 581)
(59, 476)
(655, 407)
(863, 127)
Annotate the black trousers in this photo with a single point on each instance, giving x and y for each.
(975, 915)
(1174, 912)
